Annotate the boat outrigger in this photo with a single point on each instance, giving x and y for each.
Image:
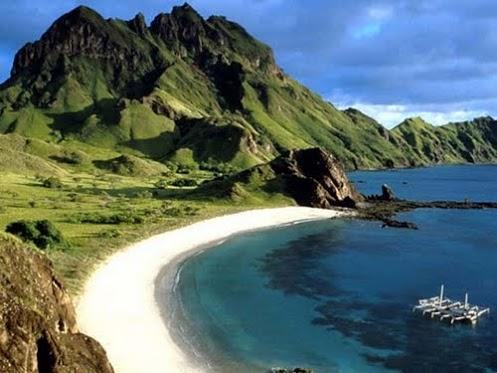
(447, 310)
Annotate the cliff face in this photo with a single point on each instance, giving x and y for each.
(311, 177)
(38, 331)
(315, 178)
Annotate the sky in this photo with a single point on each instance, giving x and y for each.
(391, 59)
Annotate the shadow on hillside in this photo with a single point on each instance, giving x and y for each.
(106, 110)
(156, 148)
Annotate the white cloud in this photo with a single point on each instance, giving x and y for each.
(380, 13)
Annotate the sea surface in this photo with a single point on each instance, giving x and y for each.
(336, 295)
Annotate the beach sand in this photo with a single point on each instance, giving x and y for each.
(119, 306)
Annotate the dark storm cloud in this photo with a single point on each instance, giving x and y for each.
(436, 57)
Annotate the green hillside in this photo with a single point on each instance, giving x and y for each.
(193, 92)
(467, 142)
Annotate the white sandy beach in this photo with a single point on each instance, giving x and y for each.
(118, 306)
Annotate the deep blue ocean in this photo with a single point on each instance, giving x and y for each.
(336, 295)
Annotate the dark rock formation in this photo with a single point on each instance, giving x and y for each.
(311, 177)
(387, 195)
(80, 32)
(315, 178)
(183, 30)
(398, 224)
(384, 210)
(38, 331)
(138, 24)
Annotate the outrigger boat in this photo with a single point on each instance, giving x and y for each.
(447, 310)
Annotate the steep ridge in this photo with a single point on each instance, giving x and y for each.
(472, 141)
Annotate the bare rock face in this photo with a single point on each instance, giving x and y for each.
(311, 177)
(80, 32)
(138, 24)
(38, 332)
(183, 30)
(315, 178)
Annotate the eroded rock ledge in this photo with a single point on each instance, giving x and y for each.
(38, 331)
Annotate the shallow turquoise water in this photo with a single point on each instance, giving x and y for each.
(336, 295)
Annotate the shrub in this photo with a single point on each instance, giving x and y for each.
(119, 218)
(219, 168)
(111, 233)
(52, 182)
(184, 182)
(173, 168)
(40, 232)
(145, 194)
(74, 197)
(161, 184)
(185, 169)
(72, 158)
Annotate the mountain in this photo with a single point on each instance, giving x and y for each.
(191, 91)
(472, 141)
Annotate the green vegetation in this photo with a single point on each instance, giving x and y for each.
(41, 232)
(52, 182)
(468, 142)
(185, 183)
(98, 215)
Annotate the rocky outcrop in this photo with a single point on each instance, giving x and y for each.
(315, 178)
(138, 24)
(387, 195)
(38, 331)
(183, 30)
(187, 34)
(82, 32)
(311, 177)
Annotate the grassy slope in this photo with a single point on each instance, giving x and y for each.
(474, 141)
(23, 197)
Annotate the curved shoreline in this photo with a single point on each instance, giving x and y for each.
(119, 307)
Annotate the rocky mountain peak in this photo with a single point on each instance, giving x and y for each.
(183, 30)
(485, 119)
(81, 31)
(138, 24)
(186, 11)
